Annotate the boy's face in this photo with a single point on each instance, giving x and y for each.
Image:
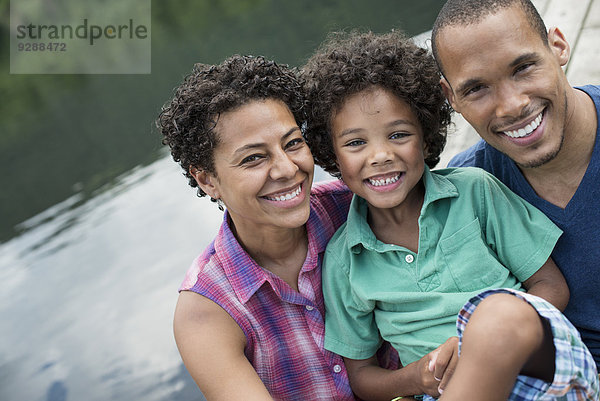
(505, 81)
(379, 148)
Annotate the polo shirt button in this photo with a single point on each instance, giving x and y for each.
(337, 368)
(409, 258)
(309, 308)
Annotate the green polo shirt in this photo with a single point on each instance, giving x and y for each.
(474, 234)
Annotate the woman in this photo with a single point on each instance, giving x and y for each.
(249, 319)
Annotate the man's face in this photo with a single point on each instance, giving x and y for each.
(508, 84)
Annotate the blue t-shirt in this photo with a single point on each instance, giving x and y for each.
(577, 252)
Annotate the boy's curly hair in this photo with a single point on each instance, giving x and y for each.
(188, 121)
(348, 63)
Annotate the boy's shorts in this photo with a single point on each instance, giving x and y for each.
(575, 376)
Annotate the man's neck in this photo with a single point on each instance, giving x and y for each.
(558, 180)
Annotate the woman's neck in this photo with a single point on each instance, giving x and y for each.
(279, 250)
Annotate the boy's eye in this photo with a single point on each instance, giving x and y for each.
(399, 135)
(355, 142)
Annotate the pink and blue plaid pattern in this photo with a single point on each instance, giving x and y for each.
(284, 328)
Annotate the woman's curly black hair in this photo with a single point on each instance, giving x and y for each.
(188, 121)
(348, 63)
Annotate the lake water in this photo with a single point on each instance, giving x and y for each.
(87, 292)
(88, 286)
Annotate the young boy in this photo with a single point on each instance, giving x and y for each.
(419, 244)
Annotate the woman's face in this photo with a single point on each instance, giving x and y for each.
(263, 167)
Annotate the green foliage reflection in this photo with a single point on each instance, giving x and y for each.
(62, 134)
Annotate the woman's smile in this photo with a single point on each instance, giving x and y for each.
(288, 197)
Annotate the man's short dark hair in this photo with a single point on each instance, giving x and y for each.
(468, 12)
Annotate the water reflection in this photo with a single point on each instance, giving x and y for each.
(87, 292)
(88, 289)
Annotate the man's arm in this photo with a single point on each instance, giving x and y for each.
(549, 283)
(211, 345)
(371, 382)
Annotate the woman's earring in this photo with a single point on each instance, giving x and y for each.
(220, 205)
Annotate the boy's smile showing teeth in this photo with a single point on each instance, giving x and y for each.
(526, 130)
(384, 180)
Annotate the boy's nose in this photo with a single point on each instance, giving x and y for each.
(381, 155)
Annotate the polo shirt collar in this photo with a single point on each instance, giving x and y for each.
(437, 187)
(359, 233)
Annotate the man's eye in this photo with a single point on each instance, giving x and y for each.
(523, 67)
(473, 90)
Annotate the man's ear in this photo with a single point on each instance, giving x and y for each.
(559, 45)
(206, 181)
(449, 93)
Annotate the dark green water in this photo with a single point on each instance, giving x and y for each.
(64, 134)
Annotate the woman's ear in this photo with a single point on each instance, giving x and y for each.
(206, 181)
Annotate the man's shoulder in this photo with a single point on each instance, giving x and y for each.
(473, 156)
(592, 90)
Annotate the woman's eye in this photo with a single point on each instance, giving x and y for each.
(251, 159)
(294, 142)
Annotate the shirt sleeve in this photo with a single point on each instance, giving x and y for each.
(350, 328)
(521, 235)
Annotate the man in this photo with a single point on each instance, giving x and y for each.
(502, 71)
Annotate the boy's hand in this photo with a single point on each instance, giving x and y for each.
(437, 367)
(443, 362)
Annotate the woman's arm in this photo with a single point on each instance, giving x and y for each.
(211, 345)
(549, 283)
